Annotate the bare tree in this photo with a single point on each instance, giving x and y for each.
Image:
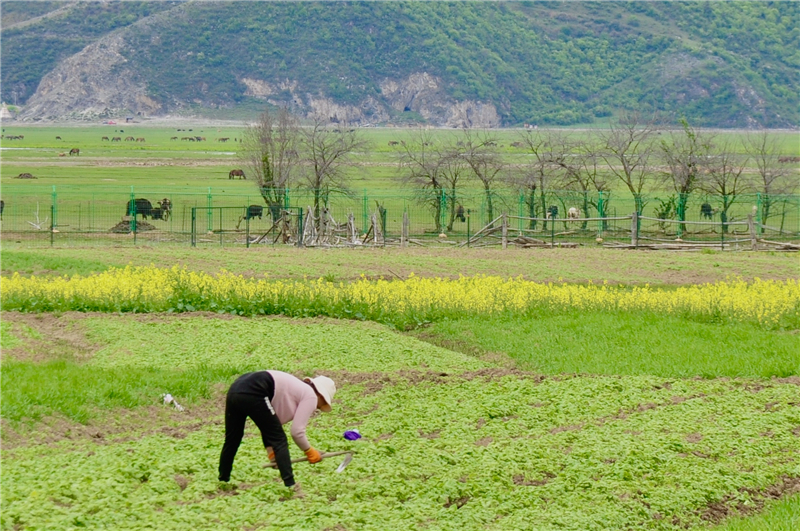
(628, 151)
(541, 173)
(687, 155)
(420, 166)
(582, 172)
(724, 178)
(326, 154)
(269, 152)
(479, 151)
(453, 167)
(773, 179)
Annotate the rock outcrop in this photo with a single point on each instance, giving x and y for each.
(94, 83)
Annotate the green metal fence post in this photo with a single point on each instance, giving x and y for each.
(132, 211)
(247, 227)
(54, 210)
(468, 234)
(759, 213)
(600, 213)
(364, 213)
(52, 223)
(300, 224)
(194, 226)
(442, 210)
(210, 214)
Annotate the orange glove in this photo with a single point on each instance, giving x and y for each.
(313, 456)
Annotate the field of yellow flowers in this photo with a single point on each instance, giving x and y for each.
(400, 303)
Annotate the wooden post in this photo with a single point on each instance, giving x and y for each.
(505, 231)
(753, 238)
(404, 231)
(351, 228)
(374, 220)
(635, 229)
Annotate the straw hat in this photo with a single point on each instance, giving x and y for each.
(325, 387)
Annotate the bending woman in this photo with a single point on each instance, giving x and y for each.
(271, 399)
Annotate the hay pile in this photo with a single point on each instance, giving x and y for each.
(124, 227)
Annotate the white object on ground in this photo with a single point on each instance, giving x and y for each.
(168, 399)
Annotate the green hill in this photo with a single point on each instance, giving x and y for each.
(724, 64)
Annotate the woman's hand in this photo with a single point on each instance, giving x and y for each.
(313, 456)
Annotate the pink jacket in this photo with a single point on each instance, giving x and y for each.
(294, 401)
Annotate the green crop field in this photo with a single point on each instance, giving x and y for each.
(565, 420)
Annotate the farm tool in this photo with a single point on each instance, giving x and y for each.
(347, 459)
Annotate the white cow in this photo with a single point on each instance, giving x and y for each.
(573, 213)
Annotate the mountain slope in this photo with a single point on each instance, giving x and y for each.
(717, 63)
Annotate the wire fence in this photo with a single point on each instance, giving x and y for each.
(73, 215)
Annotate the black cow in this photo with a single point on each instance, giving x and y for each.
(460, 213)
(706, 211)
(254, 211)
(142, 206)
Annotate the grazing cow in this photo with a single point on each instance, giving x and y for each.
(116, 139)
(460, 213)
(393, 143)
(142, 207)
(236, 173)
(254, 211)
(166, 207)
(706, 211)
(104, 138)
(552, 212)
(2, 207)
(157, 213)
(573, 213)
(58, 138)
(75, 151)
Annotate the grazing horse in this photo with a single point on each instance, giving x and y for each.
(140, 139)
(393, 143)
(58, 138)
(236, 173)
(129, 139)
(104, 138)
(116, 139)
(74, 151)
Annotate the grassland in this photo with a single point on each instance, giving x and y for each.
(93, 188)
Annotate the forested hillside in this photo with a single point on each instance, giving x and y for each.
(726, 64)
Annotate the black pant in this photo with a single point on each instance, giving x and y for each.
(239, 406)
